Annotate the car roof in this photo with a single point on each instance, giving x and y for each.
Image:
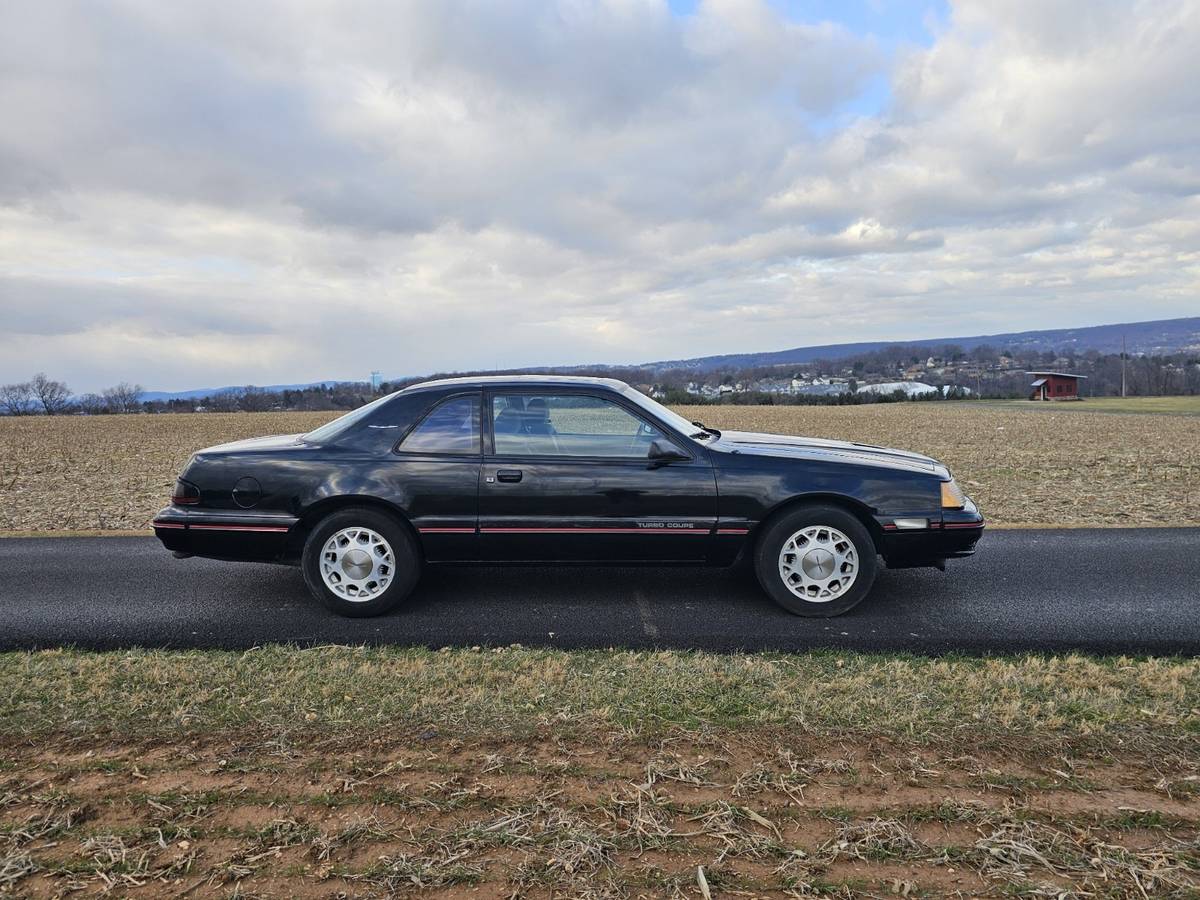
(521, 381)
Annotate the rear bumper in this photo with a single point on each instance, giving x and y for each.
(223, 535)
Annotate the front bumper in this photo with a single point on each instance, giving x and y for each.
(223, 534)
(951, 534)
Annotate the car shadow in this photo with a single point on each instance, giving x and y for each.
(559, 606)
(503, 590)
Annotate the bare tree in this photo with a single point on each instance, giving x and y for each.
(255, 399)
(92, 404)
(123, 398)
(225, 401)
(17, 399)
(54, 396)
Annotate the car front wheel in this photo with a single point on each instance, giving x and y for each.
(816, 561)
(360, 562)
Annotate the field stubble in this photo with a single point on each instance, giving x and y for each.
(608, 817)
(1044, 467)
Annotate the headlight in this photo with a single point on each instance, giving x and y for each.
(952, 495)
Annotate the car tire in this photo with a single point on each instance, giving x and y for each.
(360, 562)
(799, 555)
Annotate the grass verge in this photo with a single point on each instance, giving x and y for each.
(347, 689)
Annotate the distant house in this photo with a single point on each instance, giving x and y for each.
(1054, 386)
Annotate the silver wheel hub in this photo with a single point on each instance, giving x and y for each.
(357, 564)
(818, 563)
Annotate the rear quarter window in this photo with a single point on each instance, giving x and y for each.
(379, 432)
(451, 427)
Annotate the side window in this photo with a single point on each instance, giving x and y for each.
(452, 427)
(567, 425)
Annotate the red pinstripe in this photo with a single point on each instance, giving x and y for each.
(595, 531)
(268, 528)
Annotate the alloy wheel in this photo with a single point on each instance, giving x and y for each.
(357, 564)
(818, 563)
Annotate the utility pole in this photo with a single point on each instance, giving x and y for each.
(1122, 365)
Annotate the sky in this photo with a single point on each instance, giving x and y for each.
(204, 194)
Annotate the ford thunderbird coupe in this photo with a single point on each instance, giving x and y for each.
(536, 470)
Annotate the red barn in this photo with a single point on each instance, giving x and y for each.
(1054, 386)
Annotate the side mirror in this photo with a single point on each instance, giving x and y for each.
(663, 452)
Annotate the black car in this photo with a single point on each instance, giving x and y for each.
(532, 469)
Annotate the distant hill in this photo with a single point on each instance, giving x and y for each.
(197, 393)
(1162, 336)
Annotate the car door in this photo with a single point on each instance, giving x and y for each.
(435, 469)
(567, 476)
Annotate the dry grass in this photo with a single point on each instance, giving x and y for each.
(1060, 465)
(110, 472)
(1173, 406)
(333, 690)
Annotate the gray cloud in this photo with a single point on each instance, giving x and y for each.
(210, 193)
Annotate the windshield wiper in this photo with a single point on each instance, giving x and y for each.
(706, 432)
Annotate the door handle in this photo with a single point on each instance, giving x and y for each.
(509, 475)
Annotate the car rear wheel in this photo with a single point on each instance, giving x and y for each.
(816, 561)
(360, 562)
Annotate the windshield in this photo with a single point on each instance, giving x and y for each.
(662, 413)
(330, 430)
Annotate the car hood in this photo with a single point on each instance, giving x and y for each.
(791, 447)
(254, 445)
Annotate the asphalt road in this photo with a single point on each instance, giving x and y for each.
(1128, 590)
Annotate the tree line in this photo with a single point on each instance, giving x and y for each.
(50, 397)
(987, 371)
(994, 373)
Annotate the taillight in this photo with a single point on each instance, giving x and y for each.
(186, 493)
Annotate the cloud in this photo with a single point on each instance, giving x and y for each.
(190, 194)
